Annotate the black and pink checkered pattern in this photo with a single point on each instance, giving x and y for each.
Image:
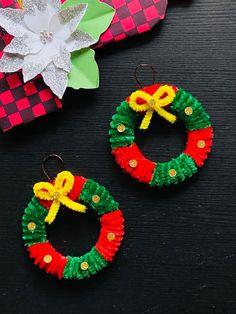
(133, 17)
(22, 103)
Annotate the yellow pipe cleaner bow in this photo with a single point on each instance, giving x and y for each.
(156, 102)
(57, 193)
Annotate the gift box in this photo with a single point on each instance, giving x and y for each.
(23, 102)
(133, 17)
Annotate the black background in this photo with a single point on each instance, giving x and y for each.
(179, 252)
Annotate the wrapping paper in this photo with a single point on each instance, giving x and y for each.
(23, 102)
(133, 17)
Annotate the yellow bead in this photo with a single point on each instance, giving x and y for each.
(31, 226)
(47, 259)
(188, 111)
(121, 128)
(172, 173)
(96, 199)
(133, 163)
(201, 144)
(152, 103)
(84, 266)
(111, 236)
(56, 195)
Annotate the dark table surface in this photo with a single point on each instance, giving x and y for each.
(179, 252)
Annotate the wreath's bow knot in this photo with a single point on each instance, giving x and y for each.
(58, 194)
(163, 97)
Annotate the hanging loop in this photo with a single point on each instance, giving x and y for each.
(137, 70)
(46, 159)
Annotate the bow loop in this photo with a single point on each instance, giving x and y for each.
(163, 97)
(44, 191)
(64, 182)
(57, 193)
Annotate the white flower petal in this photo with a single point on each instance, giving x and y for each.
(33, 65)
(10, 63)
(30, 5)
(12, 20)
(79, 40)
(24, 45)
(41, 5)
(51, 50)
(18, 45)
(31, 70)
(38, 21)
(62, 60)
(64, 23)
(34, 42)
(56, 4)
(56, 79)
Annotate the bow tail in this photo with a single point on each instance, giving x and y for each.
(52, 212)
(146, 120)
(166, 115)
(73, 205)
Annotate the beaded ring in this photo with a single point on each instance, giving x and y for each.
(170, 103)
(66, 190)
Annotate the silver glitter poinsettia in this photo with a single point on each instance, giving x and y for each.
(44, 37)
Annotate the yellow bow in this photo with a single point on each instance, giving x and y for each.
(57, 193)
(153, 103)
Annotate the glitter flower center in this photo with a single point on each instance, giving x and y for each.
(46, 36)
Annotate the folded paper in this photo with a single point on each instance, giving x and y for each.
(133, 17)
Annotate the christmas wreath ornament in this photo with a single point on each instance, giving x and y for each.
(171, 103)
(69, 190)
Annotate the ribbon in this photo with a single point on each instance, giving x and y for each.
(57, 193)
(163, 97)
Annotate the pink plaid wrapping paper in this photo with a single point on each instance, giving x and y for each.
(133, 17)
(23, 102)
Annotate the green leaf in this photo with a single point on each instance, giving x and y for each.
(84, 72)
(97, 18)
